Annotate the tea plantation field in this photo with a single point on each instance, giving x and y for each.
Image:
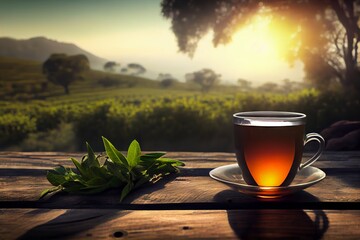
(38, 116)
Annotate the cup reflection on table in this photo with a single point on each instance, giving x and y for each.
(278, 224)
(269, 146)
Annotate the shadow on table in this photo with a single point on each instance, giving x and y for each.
(349, 176)
(259, 222)
(275, 223)
(73, 221)
(98, 209)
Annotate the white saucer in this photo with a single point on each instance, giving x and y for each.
(232, 175)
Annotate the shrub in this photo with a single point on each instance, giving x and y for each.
(14, 128)
(46, 118)
(167, 82)
(175, 122)
(110, 82)
(61, 138)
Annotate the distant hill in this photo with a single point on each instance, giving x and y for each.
(22, 79)
(40, 48)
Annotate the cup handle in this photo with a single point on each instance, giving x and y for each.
(313, 137)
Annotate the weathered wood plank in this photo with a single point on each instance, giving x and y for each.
(22, 178)
(179, 189)
(48, 160)
(179, 224)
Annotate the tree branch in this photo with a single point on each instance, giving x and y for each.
(343, 46)
(340, 14)
(336, 71)
(353, 20)
(356, 50)
(336, 41)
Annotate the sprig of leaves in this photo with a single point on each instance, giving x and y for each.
(116, 171)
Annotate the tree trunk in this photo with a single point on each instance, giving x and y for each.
(353, 78)
(66, 87)
(349, 22)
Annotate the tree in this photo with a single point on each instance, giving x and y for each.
(323, 34)
(124, 70)
(245, 85)
(167, 82)
(293, 86)
(62, 70)
(162, 76)
(135, 69)
(110, 66)
(268, 87)
(288, 85)
(206, 78)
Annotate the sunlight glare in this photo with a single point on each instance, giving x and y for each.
(257, 50)
(261, 46)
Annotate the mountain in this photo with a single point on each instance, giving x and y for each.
(40, 48)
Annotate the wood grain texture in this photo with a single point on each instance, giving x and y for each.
(47, 160)
(178, 224)
(22, 178)
(188, 205)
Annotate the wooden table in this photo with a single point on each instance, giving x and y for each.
(187, 205)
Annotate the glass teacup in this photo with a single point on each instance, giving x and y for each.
(269, 146)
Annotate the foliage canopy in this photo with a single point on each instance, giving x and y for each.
(206, 78)
(62, 70)
(323, 34)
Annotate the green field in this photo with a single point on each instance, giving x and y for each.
(23, 80)
(122, 108)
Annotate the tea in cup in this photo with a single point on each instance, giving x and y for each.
(269, 146)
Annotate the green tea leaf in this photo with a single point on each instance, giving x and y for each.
(60, 170)
(113, 153)
(133, 154)
(91, 158)
(101, 172)
(96, 181)
(114, 182)
(71, 176)
(172, 161)
(116, 171)
(44, 193)
(151, 156)
(142, 181)
(128, 187)
(166, 168)
(73, 187)
(49, 190)
(78, 166)
(55, 178)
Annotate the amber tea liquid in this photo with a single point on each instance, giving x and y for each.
(269, 155)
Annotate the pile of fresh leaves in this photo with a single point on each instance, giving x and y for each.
(98, 173)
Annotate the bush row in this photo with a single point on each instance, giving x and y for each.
(191, 123)
(14, 128)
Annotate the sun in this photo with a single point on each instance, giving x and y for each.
(257, 50)
(259, 42)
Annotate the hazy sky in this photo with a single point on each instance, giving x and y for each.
(134, 31)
